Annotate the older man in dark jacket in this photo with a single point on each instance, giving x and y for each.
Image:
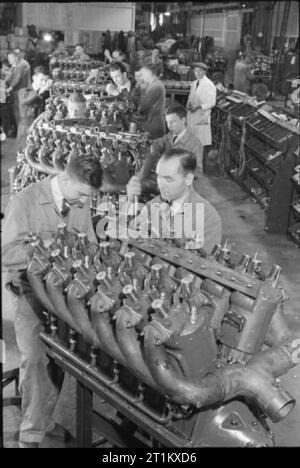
(153, 101)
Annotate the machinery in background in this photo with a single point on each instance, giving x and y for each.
(102, 110)
(73, 68)
(188, 350)
(294, 208)
(173, 84)
(257, 149)
(177, 91)
(53, 137)
(66, 87)
(216, 62)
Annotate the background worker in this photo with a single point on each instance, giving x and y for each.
(120, 79)
(80, 54)
(32, 103)
(202, 98)
(243, 76)
(152, 103)
(19, 77)
(180, 137)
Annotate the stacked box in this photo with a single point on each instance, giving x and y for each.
(3, 42)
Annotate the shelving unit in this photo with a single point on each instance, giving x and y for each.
(294, 209)
(258, 153)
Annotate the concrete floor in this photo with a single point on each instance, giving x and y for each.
(243, 225)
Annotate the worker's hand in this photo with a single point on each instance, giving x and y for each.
(46, 86)
(108, 55)
(111, 90)
(192, 107)
(134, 187)
(8, 90)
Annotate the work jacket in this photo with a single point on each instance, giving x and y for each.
(193, 217)
(33, 210)
(199, 121)
(152, 108)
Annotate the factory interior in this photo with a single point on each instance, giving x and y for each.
(150, 225)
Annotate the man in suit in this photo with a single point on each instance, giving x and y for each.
(201, 100)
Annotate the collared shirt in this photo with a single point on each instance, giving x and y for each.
(191, 217)
(185, 140)
(177, 138)
(177, 206)
(127, 86)
(56, 192)
(20, 76)
(114, 90)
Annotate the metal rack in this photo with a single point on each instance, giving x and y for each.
(294, 208)
(257, 151)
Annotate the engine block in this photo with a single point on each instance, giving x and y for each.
(194, 346)
(50, 142)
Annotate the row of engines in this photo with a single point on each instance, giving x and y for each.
(198, 346)
(50, 143)
(70, 85)
(103, 110)
(69, 63)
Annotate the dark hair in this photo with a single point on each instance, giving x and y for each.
(217, 77)
(5, 62)
(86, 170)
(40, 69)
(150, 66)
(119, 52)
(77, 98)
(17, 51)
(12, 52)
(177, 109)
(117, 66)
(187, 159)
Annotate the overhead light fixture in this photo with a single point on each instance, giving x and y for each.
(152, 21)
(47, 37)
(167, 12)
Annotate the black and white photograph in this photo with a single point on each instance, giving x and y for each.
(150, 227)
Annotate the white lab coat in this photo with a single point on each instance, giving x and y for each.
(199, 121)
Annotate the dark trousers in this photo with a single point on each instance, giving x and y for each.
(38, 388)
(7, 118)
(206, 150)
